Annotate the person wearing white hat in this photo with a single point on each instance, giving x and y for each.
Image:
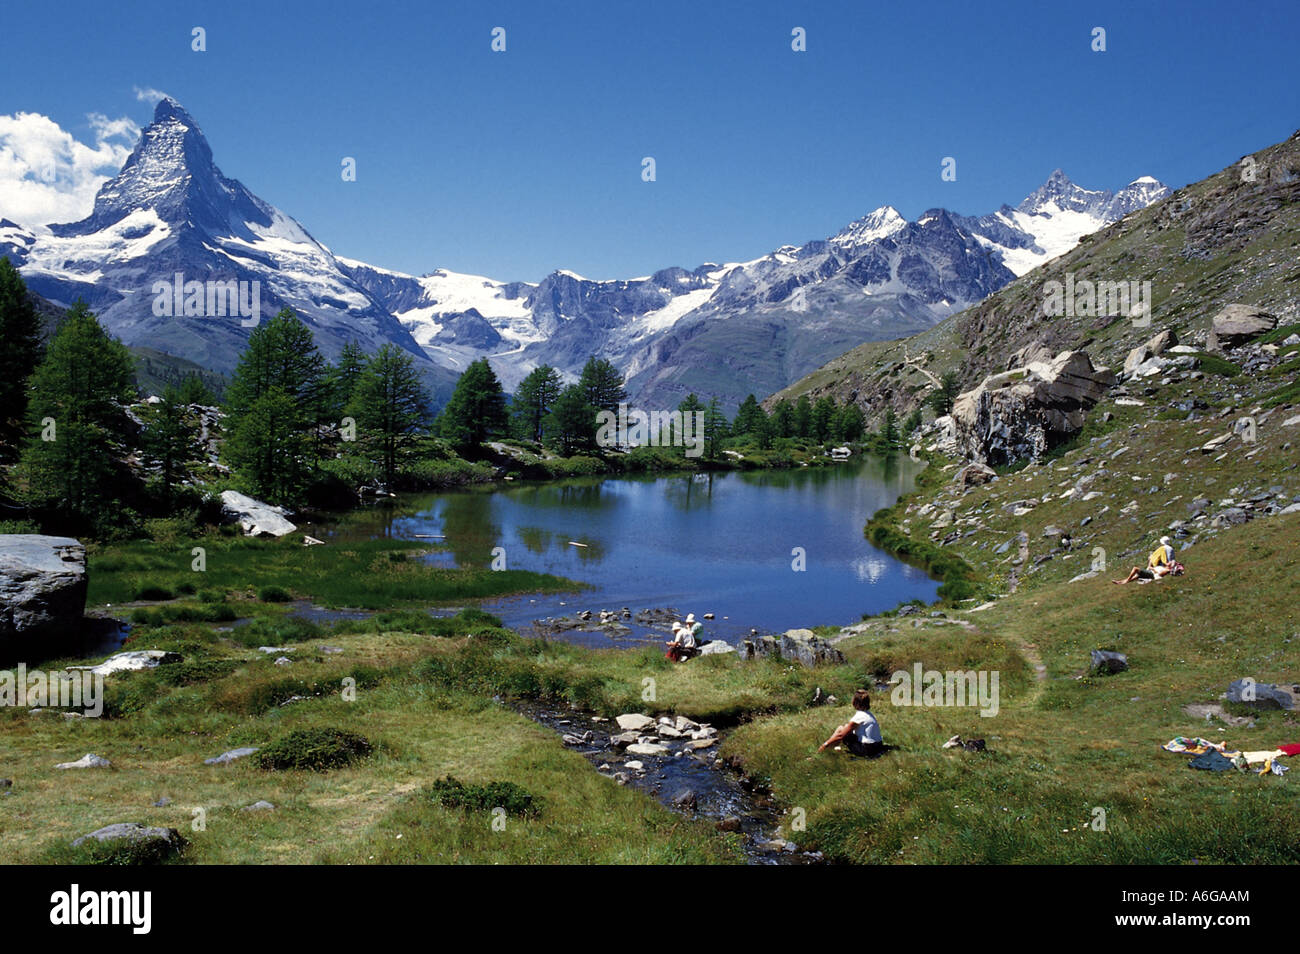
(685, 643)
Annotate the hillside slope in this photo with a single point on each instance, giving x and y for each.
(1233, 237)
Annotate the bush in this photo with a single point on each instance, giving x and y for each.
(184, 613)
(283, 629)
(152, 592)
(18, 526)
(314, 749)
(451, 793)
(274, 594)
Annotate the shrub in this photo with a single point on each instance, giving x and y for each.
(19, 526)
(283, 629)
(184, 613)
(274, 594)
(152, 592)
(452, 793)
(314, 749)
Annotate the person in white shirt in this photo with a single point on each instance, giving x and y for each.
(683, 644)
(861, 734)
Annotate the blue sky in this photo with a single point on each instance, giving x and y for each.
(513, 164)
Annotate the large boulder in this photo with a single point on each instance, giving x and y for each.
(1236, 325)
(795, 645)
(42, 589)
(144, 843)
(1026, 411)
(257, 519)
(1150, 349)
(1262, 695)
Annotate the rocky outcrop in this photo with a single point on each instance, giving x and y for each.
(1236, 325)
(257, 519)
(1026, 411)
(42, 588)
(1150, 349)
(132, 661)
(795, 645)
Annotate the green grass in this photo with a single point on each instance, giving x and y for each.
(357, 573)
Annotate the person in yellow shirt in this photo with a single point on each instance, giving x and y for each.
(1159, 563)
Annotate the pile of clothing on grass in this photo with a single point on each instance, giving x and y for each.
(1217, 757)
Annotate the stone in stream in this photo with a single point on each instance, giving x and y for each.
(647, 748)
(696, 744)
(163, 840)
(585, 739)
(624, 739)
(686, 800)
(634, 766)
(42, 589)
(89, 760)
(226, 757)
(634, 722)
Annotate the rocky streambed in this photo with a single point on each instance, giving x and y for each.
(675, 761)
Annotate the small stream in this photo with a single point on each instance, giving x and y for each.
(695, 784)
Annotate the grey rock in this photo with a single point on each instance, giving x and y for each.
(1261, 695)
(795, 645)
(133, 661)
(257, 519)
(166, 839)
(1026, 411)
(1237, 324)
(42, 588)
(716, 647)
(647, 748)
(89, 760)
(261, 805)
(1109, 662)
(231, 756)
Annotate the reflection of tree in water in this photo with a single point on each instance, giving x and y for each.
(468, 528)
(535, 539)
(568, 495)
(690, 492)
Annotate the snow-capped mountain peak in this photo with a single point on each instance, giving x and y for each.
(878, 224)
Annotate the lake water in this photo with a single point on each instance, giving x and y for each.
(722, 543)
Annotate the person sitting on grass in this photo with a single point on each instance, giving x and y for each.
(1160, 563)
(861, 734)
(683, 645)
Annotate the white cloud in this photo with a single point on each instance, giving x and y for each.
(150, 95)
(48, 175)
